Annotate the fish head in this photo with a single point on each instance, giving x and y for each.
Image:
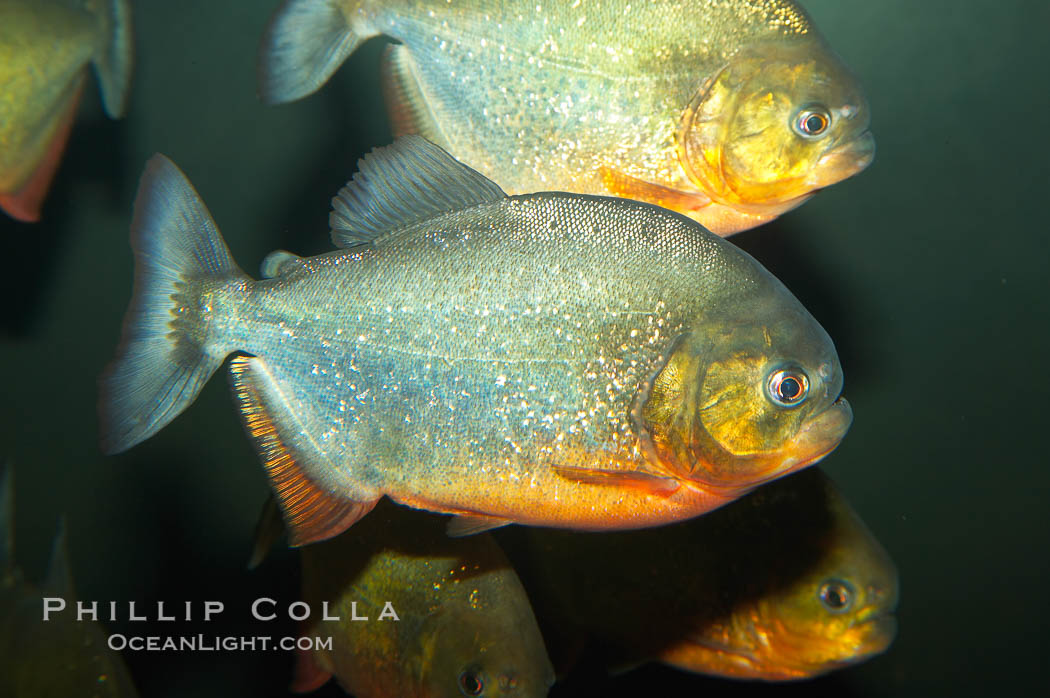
(776, 124)
(825, 598)
(750, 394)
(840, 611)
(474, 649)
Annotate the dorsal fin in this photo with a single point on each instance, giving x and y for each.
(404, 183)
(59, 580)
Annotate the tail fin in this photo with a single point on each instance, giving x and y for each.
(165, 354)
(305, 42)
(115, 57)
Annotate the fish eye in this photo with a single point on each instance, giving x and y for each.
(470, 683)
(836, 595)
(788, 387)
(812, 122)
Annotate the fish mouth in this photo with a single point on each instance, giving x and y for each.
(879, 633)
(819, 436)
(843, 161)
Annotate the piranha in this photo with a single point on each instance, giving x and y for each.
(45, 48)
(61, 657)
(549, 359)
(728, 111)
(786, 583)
(463, 627)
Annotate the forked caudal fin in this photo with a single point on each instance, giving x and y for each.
(165, 354)
(305, 42)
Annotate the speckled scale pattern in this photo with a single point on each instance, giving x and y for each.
(488, 344)
(494, 68)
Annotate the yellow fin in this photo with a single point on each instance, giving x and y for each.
(310, 512)
(632, 479)
(629, 187)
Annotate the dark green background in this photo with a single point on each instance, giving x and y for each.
(929, 270)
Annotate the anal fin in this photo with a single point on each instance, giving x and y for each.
(311, 512)
(628, 187)
(631, 479)
(24, 204)
(405, 104)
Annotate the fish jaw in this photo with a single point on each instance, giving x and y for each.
(819, 436)
(843, 161)
(758, 646)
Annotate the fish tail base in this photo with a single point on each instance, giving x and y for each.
(168, 349)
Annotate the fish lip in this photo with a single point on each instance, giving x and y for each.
(820, 436)
(843, 161)
(879, 630)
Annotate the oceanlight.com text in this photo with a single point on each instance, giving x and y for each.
(215, 643)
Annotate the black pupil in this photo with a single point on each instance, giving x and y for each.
(790, 388)
(835, 597)
(471, 684)
(814, 123)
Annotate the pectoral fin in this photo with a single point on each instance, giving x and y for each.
(311, 512)
(629, 187)
(632, 479)
(468, 524)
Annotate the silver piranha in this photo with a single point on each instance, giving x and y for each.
(548, 359)
(728, 111)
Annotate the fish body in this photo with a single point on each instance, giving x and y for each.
(728, 112)
(61, 657)
(459, 622)
(45, 49)
(785, 583)
(548, 359)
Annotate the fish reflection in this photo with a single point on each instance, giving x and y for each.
(729, 111)
(553, 359)
(464, 627)
(45, 48)
(786, 583)
(62, 657)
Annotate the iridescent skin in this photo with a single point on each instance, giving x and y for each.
(462, 612)
(526, 358)
(690, 105)
(736, 593)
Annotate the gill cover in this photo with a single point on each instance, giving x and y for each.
(739, 140)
